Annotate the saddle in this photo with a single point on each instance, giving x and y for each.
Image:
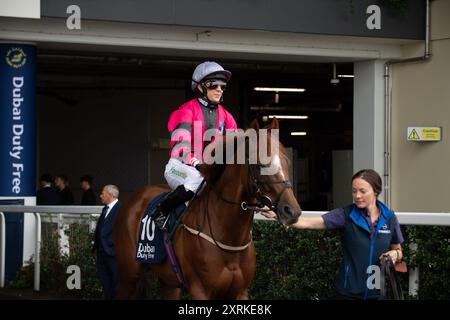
(150, 246)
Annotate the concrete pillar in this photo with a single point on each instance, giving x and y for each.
(368, 117)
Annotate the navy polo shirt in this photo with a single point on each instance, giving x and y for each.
(363, 242)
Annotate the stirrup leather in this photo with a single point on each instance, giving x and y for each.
(161, 221)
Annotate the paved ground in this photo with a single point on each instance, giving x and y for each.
(28, 294)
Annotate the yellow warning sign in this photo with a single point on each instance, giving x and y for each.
(424, 133)
(433, 134)
(413, 135)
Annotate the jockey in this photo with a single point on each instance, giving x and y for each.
(187, 126)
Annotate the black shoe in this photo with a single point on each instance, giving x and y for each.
(168, 204)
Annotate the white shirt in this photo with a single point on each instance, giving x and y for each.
(110, 205)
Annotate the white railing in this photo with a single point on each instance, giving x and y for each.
(70, 212)
(65, 211)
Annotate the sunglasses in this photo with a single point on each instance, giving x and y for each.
(213, 85)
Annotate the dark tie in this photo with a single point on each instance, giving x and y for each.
(104, 211)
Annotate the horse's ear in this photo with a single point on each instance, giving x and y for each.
(274, 124)
(254, 124)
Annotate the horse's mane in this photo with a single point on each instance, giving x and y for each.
(213, 172)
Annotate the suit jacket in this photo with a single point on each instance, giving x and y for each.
(103, 231)
(88, 198)
(48, 196)
(66, 197)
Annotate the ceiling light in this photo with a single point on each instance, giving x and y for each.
(287, 117)
(298, 133)
(346, 76)
(279, 89)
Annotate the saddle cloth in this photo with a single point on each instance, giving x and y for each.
(150, 246)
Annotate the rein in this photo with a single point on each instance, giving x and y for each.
(213, 241)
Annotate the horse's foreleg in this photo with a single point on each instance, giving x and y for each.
(171, 293)
(168, 292)
(127, 288)
(198, 292)
(243, 295)
(129, 275)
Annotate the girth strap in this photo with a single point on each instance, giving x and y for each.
(217, 243)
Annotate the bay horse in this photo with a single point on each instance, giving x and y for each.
(213, 243)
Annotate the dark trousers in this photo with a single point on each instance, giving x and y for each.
(339, 296)
(108, 273)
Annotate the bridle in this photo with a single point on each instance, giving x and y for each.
(262, 200)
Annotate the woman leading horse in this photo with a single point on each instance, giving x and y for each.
(213, 242)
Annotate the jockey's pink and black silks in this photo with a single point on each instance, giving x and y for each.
(187, 128)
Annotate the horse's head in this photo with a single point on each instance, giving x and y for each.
(270, 175)
(259, 162)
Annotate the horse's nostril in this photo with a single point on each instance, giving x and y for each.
(287, 210)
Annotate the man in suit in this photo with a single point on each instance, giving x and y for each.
(62, 186)
(106, 261)
(47, 195)
(88, 196)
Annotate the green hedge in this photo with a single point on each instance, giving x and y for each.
(291, 264)
(54, 264)
(432, 258)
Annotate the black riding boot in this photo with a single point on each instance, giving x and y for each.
(169, 203)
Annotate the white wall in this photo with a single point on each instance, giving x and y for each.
(21, 8)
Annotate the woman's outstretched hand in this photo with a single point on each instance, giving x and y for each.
(269, 214)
